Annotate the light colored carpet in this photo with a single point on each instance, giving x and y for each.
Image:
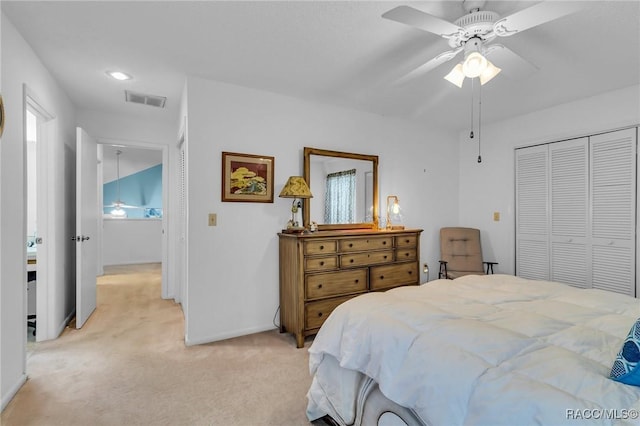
(129, 366)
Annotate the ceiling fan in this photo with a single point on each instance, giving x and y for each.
(119, 205)
(473, 33)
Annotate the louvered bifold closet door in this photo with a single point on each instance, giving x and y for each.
(532, 220)
(570, 248)
(613, 204)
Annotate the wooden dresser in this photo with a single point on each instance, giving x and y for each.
(320, 270)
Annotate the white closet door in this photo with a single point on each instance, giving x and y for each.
(569, 194)
(613, 203)
(532, 219)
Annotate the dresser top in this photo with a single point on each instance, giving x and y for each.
(349, 233)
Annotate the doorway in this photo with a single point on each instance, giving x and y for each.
(132, 191)
(38, 131)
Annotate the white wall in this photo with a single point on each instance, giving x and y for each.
(25, 67)
(130, 241)
(233, 267)
(489, 186)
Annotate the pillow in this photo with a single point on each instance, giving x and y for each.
(626, 367)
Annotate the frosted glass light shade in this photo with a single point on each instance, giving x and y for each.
(489, 72)
(474, 64)
(456, 76)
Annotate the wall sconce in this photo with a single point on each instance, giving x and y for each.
(296, 187)
(394, 213)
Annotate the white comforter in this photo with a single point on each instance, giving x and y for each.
(484, 351)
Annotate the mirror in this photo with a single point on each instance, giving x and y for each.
(344, 188)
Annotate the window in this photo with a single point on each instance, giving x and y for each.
(340, 196)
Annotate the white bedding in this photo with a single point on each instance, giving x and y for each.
(480, 350)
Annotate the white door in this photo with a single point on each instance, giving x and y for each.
(86, 225)
(532, 213)
(569, 202)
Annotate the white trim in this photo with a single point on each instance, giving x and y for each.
(228, 335)
(13, 391)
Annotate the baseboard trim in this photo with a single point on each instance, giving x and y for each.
(226, 335)
(13, 391)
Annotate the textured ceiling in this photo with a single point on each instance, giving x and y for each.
(341, 53)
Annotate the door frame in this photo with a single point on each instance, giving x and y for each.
(45, 141)
(167, 292)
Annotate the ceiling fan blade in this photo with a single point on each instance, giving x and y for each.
(533, 16)
(429, 65)
(421, 20)
(512, 65)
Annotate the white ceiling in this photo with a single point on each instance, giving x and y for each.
(339, 52)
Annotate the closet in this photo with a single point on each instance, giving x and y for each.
(576, 211)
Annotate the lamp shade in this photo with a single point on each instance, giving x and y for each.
(489, 72)
(296, 187)
(456, 76)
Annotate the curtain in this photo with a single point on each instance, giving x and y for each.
(340, 197)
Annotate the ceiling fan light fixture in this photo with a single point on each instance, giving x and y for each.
(474, 64)
(456, 76)
(118, 212)
(489, 72)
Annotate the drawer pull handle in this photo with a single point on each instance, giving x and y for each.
(350, 260)
(319, 285)
(384, 243)
(406, 241)
(322, 263)
(385, 256)
(382, 277)
(406, 254)
(321, 247)
(357, 281)
(350, 244)
(410, 272)
(319, 314)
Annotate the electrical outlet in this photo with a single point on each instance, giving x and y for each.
(213, 219)
(496, 216)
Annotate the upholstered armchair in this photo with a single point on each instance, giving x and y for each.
(461, 253)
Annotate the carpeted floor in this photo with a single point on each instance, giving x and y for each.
(129, 366)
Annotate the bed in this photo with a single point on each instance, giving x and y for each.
(478, 350)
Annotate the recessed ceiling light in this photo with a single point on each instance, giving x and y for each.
(119, 75)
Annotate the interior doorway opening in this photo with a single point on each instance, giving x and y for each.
(37, 134)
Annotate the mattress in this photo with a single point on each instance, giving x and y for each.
(478, 350)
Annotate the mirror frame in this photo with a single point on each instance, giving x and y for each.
(307, 201)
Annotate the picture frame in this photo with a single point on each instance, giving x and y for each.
(247, 177)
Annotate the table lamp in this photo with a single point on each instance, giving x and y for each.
(295, 188)
(394, 214)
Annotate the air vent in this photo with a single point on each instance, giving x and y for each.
(141, 98)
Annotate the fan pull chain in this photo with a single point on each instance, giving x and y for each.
(472, 91)
(479, 121)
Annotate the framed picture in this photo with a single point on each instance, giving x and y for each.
(247, 177)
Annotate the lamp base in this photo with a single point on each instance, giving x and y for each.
(294, 230)
(395, 227)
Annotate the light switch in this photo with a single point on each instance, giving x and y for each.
(213, 219)
(496, 216)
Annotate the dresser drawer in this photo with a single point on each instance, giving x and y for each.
(321, 263)
(366, 259)
(407, 241)
(394, 275)
(362, 244)
(320, 247)
(405, 254)
(335, 283)
(315, 313)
